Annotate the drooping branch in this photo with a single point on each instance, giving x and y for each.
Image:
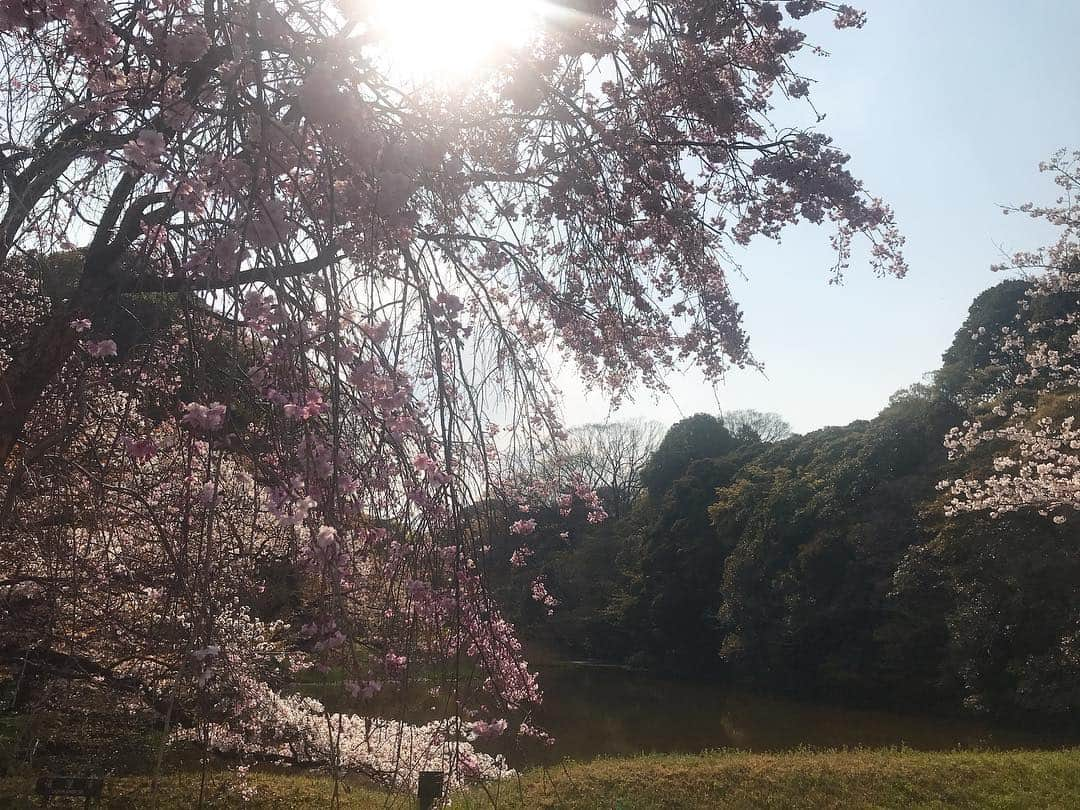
(68, 666)
(265, 273)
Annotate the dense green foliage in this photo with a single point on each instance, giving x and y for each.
(824, 564)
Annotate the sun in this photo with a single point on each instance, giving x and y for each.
(448, 40)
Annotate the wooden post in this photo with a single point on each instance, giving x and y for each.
(430, 789)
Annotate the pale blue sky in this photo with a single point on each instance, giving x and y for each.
(947, 108)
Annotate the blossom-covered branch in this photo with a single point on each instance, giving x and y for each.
(1035, 437)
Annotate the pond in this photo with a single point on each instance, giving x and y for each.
(602, 710)
(596, 710)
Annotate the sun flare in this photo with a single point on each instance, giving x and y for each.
(438, 40)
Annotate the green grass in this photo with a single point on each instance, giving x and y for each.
(180, 791)
(802, 779)
(714, 780)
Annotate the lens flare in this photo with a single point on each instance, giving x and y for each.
(449, 40)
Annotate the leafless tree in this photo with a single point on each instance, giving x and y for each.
(610, 457)
(747, 423)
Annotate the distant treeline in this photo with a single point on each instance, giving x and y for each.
(822, 563)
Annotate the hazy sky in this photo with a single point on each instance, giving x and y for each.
(946, 107)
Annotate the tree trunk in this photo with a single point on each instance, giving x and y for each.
(30, 373)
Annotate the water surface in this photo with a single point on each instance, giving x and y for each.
(609, 711)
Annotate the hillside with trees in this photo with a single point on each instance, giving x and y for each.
(825, 563)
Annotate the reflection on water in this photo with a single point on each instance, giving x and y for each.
(607, 711)
(594, 710)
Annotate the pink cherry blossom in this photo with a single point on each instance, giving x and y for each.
(100, 348)
(204, 417)
(523, 527)
(142, 448)
(146, 150)
(1037, 466)
(186, 46)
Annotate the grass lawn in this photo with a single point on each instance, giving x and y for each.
(722, 779)
(180, 791)
(805, 779)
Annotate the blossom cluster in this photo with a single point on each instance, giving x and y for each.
(298, 730)
(1037, 453)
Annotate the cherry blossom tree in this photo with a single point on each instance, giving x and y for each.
(271, 305)
(1032, 429)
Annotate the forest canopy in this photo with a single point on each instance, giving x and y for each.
(825, 563)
